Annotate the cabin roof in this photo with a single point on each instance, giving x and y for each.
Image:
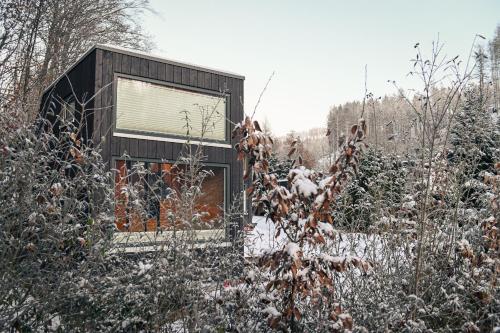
(144, 55)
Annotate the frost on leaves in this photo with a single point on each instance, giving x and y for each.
(299, 270)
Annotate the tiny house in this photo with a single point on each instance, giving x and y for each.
(138, 109)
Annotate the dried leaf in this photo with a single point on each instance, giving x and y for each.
(320, 239)
(256, 125)
(333, 168)
(273, 322)
(346, 321)
(248, 122)
(290, 153)
(297, 314)
(294, 270)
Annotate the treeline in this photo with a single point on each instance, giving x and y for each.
(394, 125)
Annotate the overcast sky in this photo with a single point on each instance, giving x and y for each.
(318, 49)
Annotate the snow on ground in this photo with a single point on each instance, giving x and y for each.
(261, 240)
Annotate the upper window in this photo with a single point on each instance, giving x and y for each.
(157, 109)
(68, 108)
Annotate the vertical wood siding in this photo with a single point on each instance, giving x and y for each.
(94, 75)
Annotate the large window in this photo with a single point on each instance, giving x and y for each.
(150, 108)
(147, 197)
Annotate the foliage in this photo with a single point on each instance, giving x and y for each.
(52, 232)
(301, 277)
(376, 192)
(64, 267)
(425, 240)
(40, 39)
(475, 135)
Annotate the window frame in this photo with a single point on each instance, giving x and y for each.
(68, 108)
(139, 237)
(154, 136)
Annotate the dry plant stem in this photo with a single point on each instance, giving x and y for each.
(254, 147)
(261, 94)
(431, 116)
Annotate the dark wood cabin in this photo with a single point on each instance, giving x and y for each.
(134, 109)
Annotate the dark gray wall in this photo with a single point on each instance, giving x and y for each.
(94, 75)
(109, 63)
(80, 81)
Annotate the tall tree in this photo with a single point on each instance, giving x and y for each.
(39, 39)
(495, 66)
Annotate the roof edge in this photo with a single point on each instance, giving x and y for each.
(145, 55)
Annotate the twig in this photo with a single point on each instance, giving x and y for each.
(261, 94)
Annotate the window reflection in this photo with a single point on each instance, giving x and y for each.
(154, 203)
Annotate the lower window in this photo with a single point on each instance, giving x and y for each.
(148, 197)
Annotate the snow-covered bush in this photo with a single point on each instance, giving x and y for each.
(298, 293)
(55, 223)
(440, 275)
(376, 193)
(61, 266)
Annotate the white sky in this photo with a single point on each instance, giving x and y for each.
(318, 49)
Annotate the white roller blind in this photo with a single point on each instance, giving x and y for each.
(154, 108)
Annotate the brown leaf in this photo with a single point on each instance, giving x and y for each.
(333, 168)
(354, 128)
(297, 314)
(320, 239)
(250, 190)
(273, 322)
(294, 270)
(290, 153)
(76, 154)
(256, 125)
(328, 132)
(265, 165)
(248, 122)
(346, 321)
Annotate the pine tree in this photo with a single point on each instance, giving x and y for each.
(376, 191)
(475, 137)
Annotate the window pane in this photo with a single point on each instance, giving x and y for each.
(154, 108)
(159, 192)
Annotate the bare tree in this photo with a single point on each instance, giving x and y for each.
(39, 39)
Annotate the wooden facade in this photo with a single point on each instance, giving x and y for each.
(92, 80)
